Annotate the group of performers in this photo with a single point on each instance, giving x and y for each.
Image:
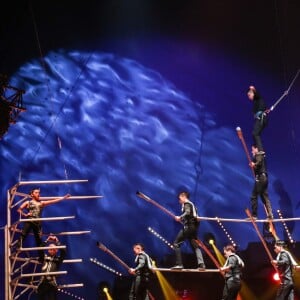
(232, 269)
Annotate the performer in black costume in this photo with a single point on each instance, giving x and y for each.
(285, 264)
(47, 288)
(189, 231)
(233, 272)
(34, 208)
(261, 182)
(142, 271)
(260, 116)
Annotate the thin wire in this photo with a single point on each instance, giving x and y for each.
(284, 63)
(43, 63)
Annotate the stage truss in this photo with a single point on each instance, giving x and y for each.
(21, 268)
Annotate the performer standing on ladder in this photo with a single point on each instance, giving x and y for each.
(34, 208)
(233, 272)
(142, 271)
(285, 264)
(260, 116)
(189, 231)
(260, 188)
(47, 288)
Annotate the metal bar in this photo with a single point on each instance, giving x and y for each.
(70, 232)
(187, 270)
(21, 200)
(31, 286)
(247, 220)
(46, 219)
(43, 274)
(69, 261)
(70, 285)
(73, 197)
(20, 294)
(51, 181)
(59, 233)
(20, 268)
(34, 261)
(42, 248)
(7, 264)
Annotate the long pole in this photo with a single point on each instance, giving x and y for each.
(118, 259)
(199, 243)
(259, 234)
(148, 199)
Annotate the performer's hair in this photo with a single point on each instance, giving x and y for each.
(187, 194)
(32, 190)
(140, 244)
(255, 92)
(280, 243)
(230, 248)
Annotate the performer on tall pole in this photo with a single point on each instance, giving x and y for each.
(142, 272)
(188, 232)
(260, 188)
(260, 116)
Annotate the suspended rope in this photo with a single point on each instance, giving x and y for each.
(285, 93)
(44, 66)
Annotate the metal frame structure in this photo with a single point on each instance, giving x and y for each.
(11, 104)
(20, 267)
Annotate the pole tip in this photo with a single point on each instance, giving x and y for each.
(238, 128)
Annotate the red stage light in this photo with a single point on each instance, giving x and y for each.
(276, 277)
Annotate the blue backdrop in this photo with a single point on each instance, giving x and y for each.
(151, 106)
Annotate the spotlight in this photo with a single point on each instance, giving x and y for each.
(104, 291)
(210, 238)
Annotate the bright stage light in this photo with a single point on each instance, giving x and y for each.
(276, 277)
